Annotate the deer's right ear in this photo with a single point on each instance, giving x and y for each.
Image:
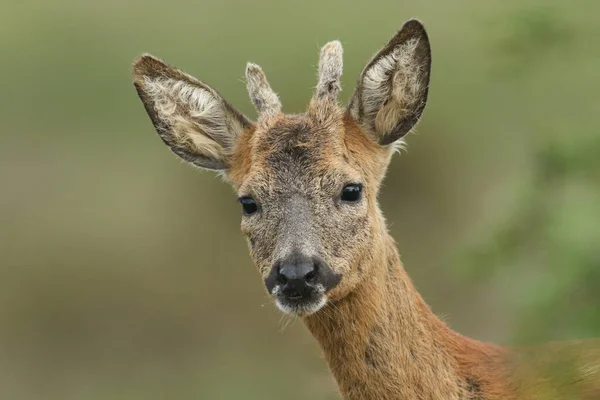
(190, 117)
(392, 89)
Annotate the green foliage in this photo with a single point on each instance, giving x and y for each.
(548, 243)
(555, 229)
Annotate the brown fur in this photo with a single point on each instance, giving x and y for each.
(381, 341)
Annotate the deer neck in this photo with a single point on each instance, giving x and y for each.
(383, 342)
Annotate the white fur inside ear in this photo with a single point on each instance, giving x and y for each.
(391, 86)
(197, 117)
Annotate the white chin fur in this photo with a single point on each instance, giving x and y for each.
(302, 309)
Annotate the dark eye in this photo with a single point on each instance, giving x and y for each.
(249, 205)
(351, 193)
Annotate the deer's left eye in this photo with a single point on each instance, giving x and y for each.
(351, 193)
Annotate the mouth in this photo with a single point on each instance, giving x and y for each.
(300, 305)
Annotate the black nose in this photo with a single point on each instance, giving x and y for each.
(298, 276)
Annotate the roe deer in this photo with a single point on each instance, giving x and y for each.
(308, 189)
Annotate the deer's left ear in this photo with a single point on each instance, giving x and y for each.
(189, 116)
(392, 89)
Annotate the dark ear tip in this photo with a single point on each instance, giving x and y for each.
(414, 27)
(148, 65)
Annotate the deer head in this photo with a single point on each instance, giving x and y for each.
(307, 183)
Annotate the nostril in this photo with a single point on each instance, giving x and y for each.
(312, 274)
(280, 278)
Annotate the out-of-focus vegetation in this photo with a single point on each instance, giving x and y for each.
(122, 271)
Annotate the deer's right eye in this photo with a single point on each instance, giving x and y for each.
(249, 205)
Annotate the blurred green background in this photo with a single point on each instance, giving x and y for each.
(123, 274)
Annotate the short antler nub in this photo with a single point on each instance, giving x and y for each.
(263, 97)
(330, 70)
